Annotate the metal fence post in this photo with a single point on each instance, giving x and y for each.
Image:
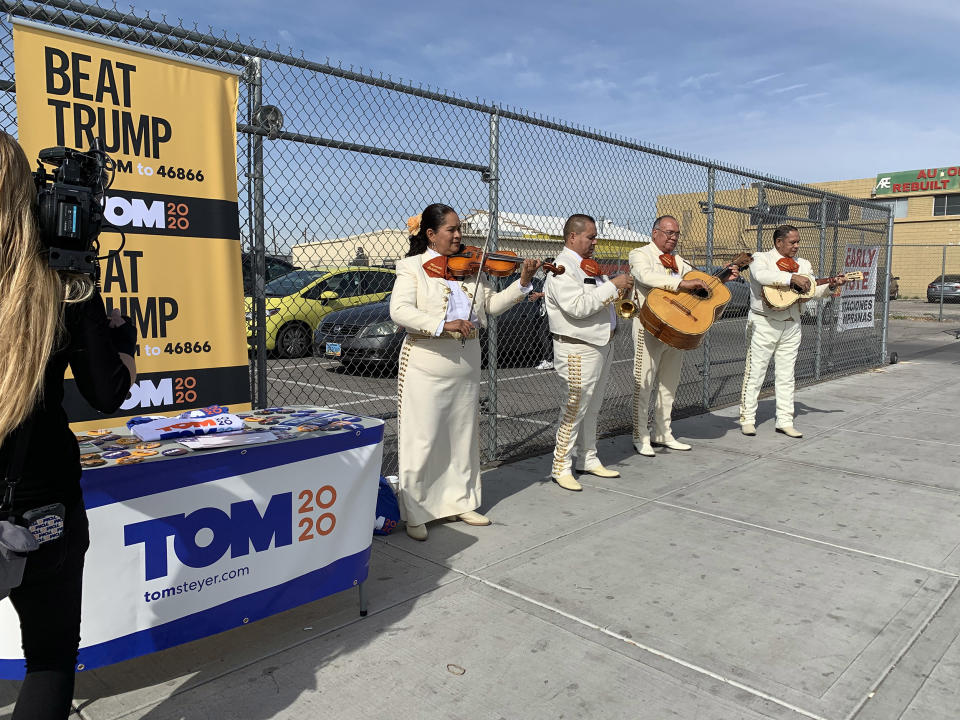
(493, 207)
(818, 350)
(259, 249)
(943, 280)
(705, 374)
(761, 215)
(886, 289)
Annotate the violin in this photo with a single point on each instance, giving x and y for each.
(467, 262)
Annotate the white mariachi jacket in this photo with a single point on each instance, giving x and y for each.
(649, 273)
(578, 306)
(419, 302)
(764, 271)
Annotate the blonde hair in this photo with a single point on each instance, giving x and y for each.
(31, 294)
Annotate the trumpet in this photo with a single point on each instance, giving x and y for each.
(627, 307)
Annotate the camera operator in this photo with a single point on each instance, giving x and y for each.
(48, 319)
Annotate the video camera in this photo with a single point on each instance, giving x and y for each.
(70, 205)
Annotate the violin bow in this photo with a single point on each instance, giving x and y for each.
(476, 284)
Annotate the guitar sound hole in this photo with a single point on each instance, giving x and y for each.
(701, 293)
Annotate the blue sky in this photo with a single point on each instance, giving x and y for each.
(809, 91)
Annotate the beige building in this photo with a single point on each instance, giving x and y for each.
(537, 236)
(379, 247)
(926, 218)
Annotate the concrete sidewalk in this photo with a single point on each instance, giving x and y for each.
(750, 578)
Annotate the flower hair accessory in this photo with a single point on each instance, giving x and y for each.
(413, 224)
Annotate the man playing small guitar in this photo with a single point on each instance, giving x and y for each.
(773, 332)
(656, 265)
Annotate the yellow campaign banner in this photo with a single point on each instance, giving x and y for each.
(170, 125)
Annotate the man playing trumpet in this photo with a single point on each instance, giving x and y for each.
(656, 265)
(582, 320)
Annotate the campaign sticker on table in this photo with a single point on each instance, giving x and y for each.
(84, 439)
(340, 425)
(111, 446)
(307, 428)
(173, 452)
(93, 462)
(89, 456)
(98, 432)
(115, 454)
(143, 453)
(148, 445)
(129, 460)
(128, 441)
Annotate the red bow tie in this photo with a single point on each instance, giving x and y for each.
(788, 265)
(669, 261)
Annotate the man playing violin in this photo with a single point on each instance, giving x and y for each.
(581, 314)
(776, 333)
(656, 265)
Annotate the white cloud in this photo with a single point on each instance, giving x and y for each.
(596, 86)
(788, 88)
(811, 96)
(764, 79)
(696, 81)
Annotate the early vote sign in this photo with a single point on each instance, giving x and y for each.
(857, 303)
(170, 126)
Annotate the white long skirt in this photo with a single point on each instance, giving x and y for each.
(438, 389)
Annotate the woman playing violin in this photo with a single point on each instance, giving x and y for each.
(438, 383)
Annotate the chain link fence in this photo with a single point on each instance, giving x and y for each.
(926, 282)
(332, 161)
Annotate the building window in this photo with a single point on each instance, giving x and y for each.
(897, 206)
(773, 216)
(836, 211)
(946, 205)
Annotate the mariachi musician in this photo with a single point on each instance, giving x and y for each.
(582, 319)
(776, 333)
(657, 265)
(438, 382)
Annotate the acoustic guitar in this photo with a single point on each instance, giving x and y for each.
(780, 298)
(681, 319)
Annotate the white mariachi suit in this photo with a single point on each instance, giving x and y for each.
(654, 361)
(438, 387)
(582, 321)
(772, 333)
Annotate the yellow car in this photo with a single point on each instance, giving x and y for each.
(296, 303)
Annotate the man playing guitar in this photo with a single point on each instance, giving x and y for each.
(656, 265)
(776, 333)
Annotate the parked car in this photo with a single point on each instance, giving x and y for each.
(275, 267)
(739, 304)
(298, 301)
(366, 338)
(950, 285)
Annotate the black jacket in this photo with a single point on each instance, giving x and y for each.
(51, 471)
